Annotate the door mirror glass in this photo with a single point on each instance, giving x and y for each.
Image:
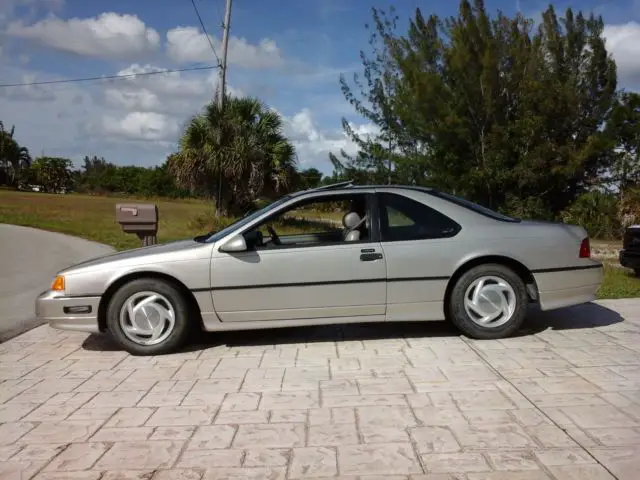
(235, 244)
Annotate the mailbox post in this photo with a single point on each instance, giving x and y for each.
(139, 218)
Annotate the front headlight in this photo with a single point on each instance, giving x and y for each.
(58, 284)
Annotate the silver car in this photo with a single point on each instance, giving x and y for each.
(398, 254)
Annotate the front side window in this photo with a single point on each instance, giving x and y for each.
(215, 236)
(319, 221)
(403, 219)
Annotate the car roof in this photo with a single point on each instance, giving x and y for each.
(349, 186)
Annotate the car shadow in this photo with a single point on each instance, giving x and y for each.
(586, 315)
(589, 315)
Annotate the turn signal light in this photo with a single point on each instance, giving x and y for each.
(58, 284)
(585, 249)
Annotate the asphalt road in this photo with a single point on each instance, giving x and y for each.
(29, 258)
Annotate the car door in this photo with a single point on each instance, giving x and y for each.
(417, 244)
(312, 275)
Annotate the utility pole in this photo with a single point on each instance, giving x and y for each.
(225, 47)
(223, 80)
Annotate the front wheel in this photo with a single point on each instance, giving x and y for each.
(488, 302)
(148, 316)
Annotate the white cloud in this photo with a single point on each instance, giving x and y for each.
(8, 7)
(30, 93)
(623, 41)
(138, 120)
(175, 93)
(188, 44)
(313, 144)
(109, 35)
(143, 126)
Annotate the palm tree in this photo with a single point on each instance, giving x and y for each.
(14, 159)
(237, 153)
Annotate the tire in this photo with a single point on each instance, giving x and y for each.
(636, 271)
(513, 288)
(164, 297)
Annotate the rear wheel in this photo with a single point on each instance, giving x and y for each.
(488, 302)
(148, 316)
(637, 272)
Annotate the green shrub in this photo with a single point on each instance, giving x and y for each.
(597, 213)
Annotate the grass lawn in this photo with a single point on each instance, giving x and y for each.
(93, 217)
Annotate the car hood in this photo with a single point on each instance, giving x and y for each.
(138, 253)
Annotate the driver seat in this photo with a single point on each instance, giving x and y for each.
(351, 222)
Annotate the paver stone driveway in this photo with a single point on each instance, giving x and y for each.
(562, 401)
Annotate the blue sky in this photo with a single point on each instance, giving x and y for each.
(289, 53)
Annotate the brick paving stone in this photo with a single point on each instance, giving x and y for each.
(266, 457)
(127, 474)
(257, 473)
(274, 435)
(313, 462)
(130, 417)
(353, 402)
(78, 456)
(288, 416)
(333, 434)
(583, 472)
(513, 461)
(455, 462)
(240, 402)
(236, 418)
(378, 459)
(434, 440)
(140, 455)
(289, 400)
(624, 462)
(60, 432)
(172, 433)
(115, 434)
(185, 416)
(81, 475)
(177, 474)
(204, 459)
(212, 437)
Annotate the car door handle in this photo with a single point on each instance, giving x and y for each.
(370, 257)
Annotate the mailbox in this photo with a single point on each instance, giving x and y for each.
(139, 218)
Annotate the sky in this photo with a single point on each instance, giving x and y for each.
(288, 53)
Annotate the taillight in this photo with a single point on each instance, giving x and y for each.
(585, 248)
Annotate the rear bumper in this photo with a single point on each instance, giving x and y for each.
(630, 259)
(559, 288)
(68, 313)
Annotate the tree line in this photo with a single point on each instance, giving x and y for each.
(524, 118)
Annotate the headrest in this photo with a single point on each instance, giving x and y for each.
(351, 220)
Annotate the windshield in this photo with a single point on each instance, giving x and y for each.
(215, 236)
(487, 212)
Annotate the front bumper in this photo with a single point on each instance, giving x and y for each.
(79, 314)
(629, 259)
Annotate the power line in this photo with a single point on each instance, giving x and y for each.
(110, 77)
(204, 29)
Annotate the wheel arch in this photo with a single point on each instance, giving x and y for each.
(518, 267)
(117, 284)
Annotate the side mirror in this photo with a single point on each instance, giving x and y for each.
(236, 244)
